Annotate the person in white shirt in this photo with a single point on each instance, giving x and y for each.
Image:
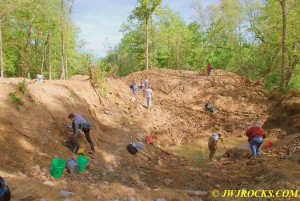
(212, 144)
(146, 83)
(149, 96)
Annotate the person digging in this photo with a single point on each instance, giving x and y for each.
(209, 107)
(256, 136)
(72, 141)
(79, 123)
(212, 144)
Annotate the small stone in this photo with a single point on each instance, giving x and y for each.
(21, 174)
(126, 111)
(28, 196)
(131, 198)
(159, 163)
(108, 112)
(168, 181)
(161, 199)
(35, 170)
(49, 183)
(64, 193)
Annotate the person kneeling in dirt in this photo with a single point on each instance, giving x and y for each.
(212, 144)
(72, 140)
(78, 122)
(4, 191)
(256, 136)
(210, 107)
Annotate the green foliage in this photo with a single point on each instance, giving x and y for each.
(200, 159)
(238, 36)
(104, 90)
(17, 101)
(31, 35)
(22, 86)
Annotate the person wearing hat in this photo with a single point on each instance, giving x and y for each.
(79, 123)
(256, 136)
(212, 144)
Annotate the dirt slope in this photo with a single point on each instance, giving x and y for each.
(32, 137)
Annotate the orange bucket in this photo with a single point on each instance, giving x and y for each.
(269, 144)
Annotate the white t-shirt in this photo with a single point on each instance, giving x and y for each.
(149, 93)
(215, 136)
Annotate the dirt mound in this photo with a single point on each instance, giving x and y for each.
(33, 136)
(180, 96)
(236, 153)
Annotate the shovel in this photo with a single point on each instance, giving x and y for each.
(144, 152)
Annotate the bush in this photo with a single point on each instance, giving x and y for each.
(16, 100)
(22, 86)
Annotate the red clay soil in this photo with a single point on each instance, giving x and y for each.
(33, 136)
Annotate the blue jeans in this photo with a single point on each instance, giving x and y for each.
(255, 145)
(208, 72)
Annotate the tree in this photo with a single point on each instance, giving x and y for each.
(143, 13)
(67, 37)
(284, 12)
(63, 71)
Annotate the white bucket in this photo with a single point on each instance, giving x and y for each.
(40, 78)
(72, 166)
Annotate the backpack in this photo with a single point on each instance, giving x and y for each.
(131, 149)
(87, 126)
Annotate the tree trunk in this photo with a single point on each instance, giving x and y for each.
(283, 56)
(241, 44)
(293, 61)
(169, 55)
(177, 52)
(23, 57)
(67, 41)
(49, 58)
(147, 43)
(1, 51)
(43, 57)
(63, 73)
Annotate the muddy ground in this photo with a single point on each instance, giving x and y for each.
(33, 136)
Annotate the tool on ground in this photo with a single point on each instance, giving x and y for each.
(144, 152)
(80, 150)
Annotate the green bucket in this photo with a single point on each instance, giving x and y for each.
(58, 166)
(82, 163)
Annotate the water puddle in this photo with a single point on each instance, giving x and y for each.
(199, 149)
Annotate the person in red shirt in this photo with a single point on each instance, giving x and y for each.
(256, 136)
(209, 69)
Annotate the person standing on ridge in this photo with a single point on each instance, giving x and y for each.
(256, 136)
(209, 69)
(78, 122)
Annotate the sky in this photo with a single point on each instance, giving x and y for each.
(100, 21)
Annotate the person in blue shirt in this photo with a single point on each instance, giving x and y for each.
(79, 123)
(212, 144)
(134, 88)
